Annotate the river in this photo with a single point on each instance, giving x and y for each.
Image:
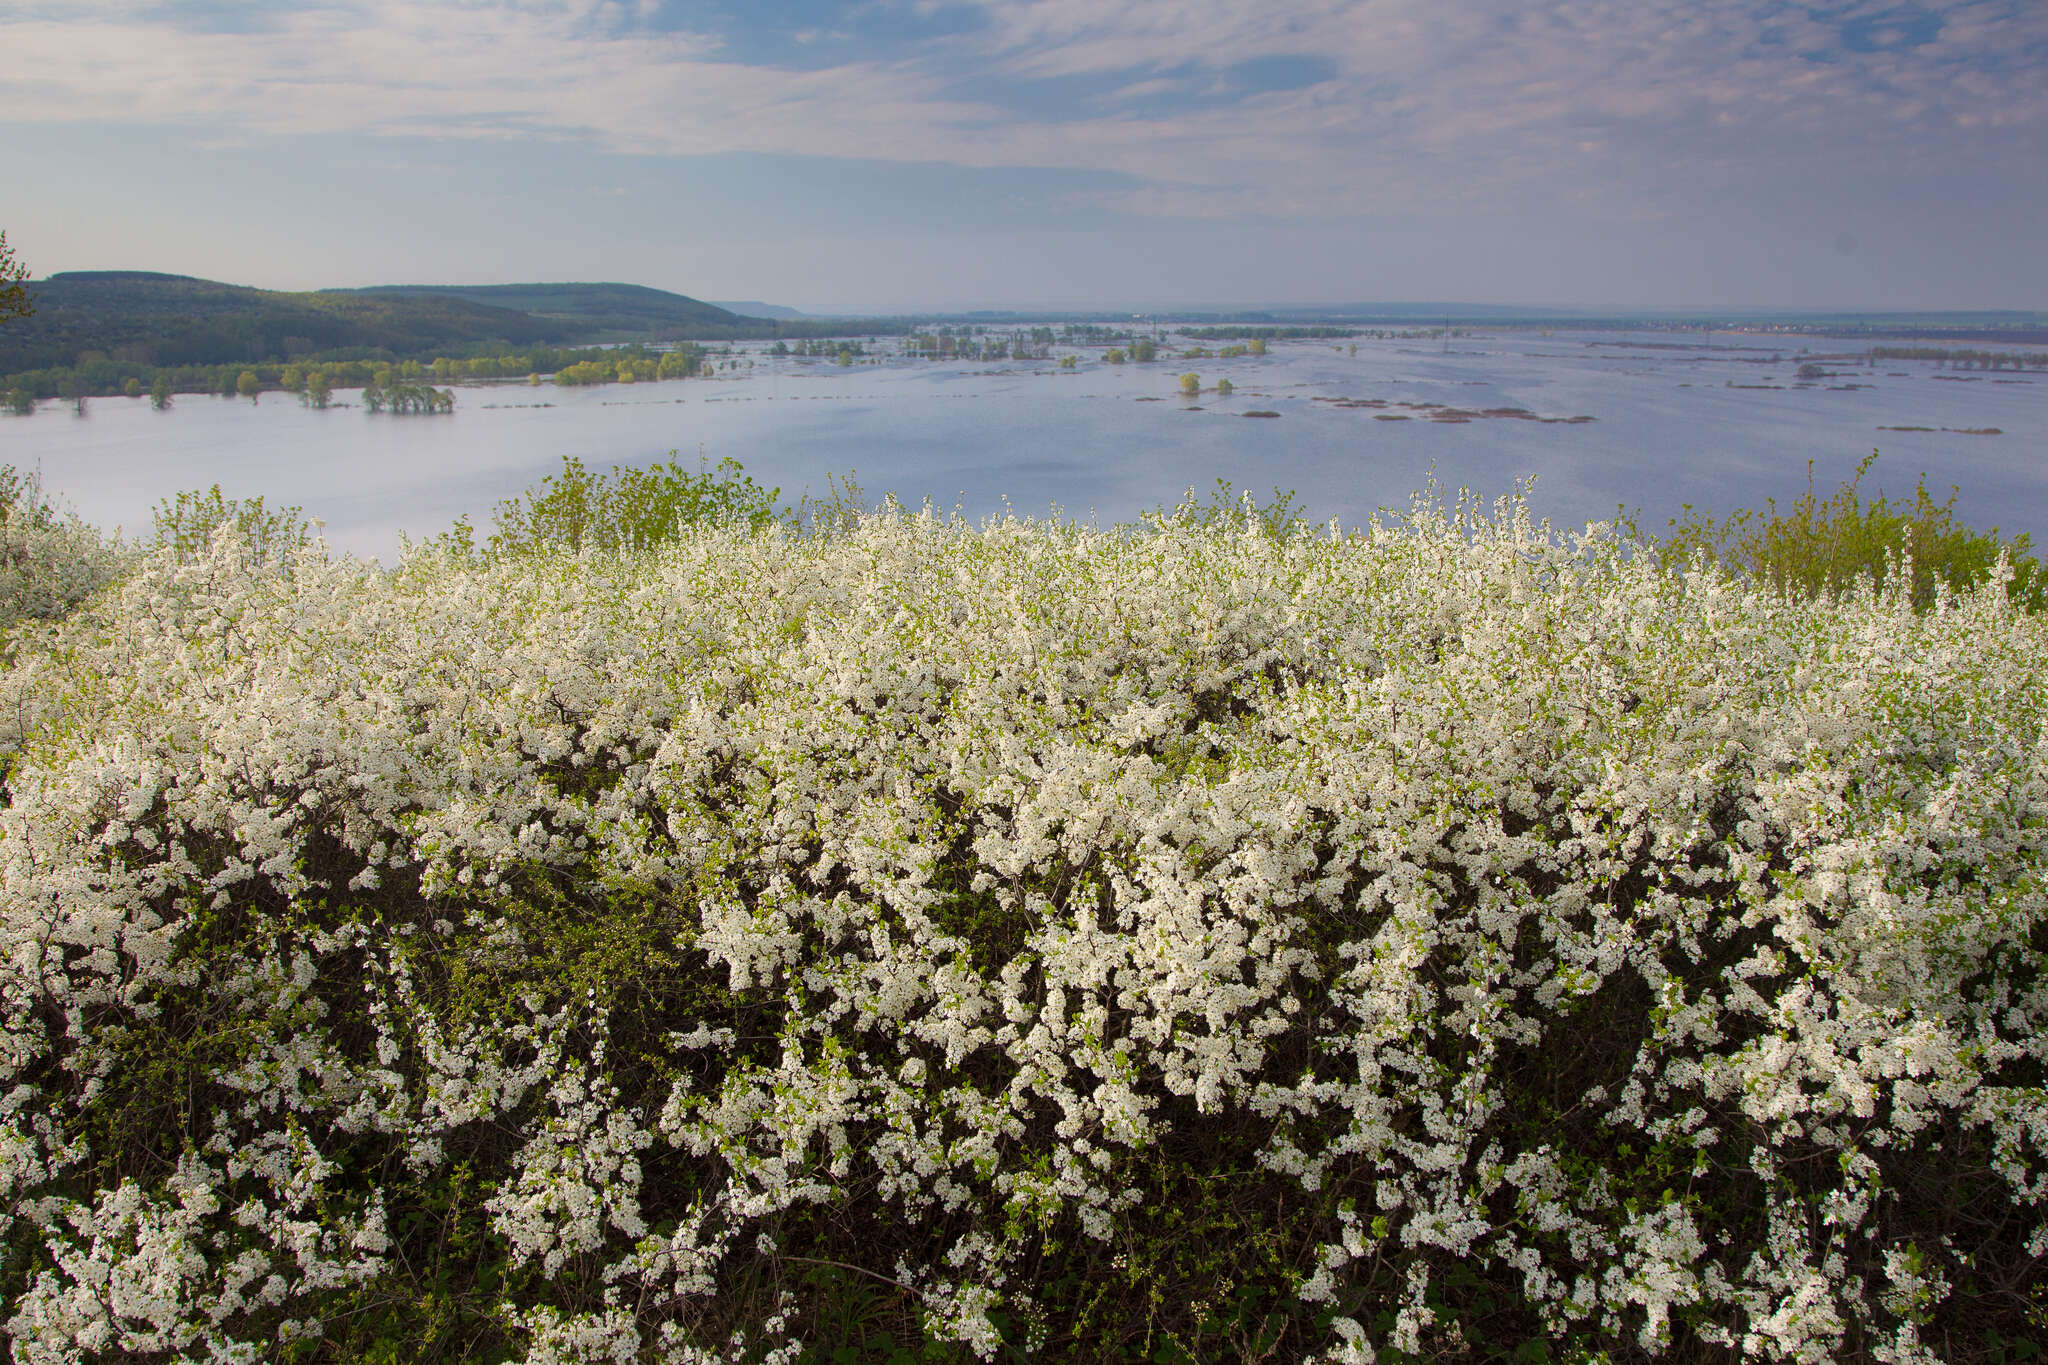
(1676, 419)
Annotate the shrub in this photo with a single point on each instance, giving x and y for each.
(50, 561)
(1173, 943)
(631, 509)
(1824, 547)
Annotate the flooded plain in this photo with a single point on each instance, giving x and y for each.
(1650, 420)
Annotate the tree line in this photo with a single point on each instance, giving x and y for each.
(101, 376)
(1273, 333)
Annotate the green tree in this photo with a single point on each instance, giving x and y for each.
(160, 392)
(1224, 388)
(74, 391)
(21, 402)
(319, 388)
(1191, 384)
(15, 300)
(248, 385)
(131, 388)
(1145, 350)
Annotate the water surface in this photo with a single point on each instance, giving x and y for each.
(1667, 430)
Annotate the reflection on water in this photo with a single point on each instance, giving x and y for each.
(1674, 422)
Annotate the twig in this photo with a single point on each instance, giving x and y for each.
(858, 1270)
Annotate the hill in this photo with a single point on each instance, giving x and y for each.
(754, 308)
(179, 320)
(143, 318)
(588, 310)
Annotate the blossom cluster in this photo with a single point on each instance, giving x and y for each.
(931, 901)
(51, 561)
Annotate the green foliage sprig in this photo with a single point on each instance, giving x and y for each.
(630, 509)
(1815, 547)
(15, 300)
(1230, 509)
(186, 525)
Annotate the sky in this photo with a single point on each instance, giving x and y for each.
(902, 155)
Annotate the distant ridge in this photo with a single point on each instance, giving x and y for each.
(754, 308)
(103, 276)
(627, 309)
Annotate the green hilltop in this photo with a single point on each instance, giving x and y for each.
(162, 320)
(628, 309)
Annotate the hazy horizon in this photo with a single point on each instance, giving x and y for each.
(1420, 309)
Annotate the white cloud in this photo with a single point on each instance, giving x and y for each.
(1433, 101)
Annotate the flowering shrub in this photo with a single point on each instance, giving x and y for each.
(50, 561)
(1205, 941)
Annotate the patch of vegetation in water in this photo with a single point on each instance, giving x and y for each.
(1954, 431)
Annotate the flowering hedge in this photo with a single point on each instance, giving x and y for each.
(1031, 941)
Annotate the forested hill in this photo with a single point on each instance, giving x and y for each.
(152, 319)
(621, 308)
(177, 320)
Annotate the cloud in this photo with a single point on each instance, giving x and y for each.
(1213, 107)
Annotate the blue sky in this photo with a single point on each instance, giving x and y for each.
(909, 154)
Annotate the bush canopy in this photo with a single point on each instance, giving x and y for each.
(1217, 940)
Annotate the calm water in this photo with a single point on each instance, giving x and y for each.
(1666, 431)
